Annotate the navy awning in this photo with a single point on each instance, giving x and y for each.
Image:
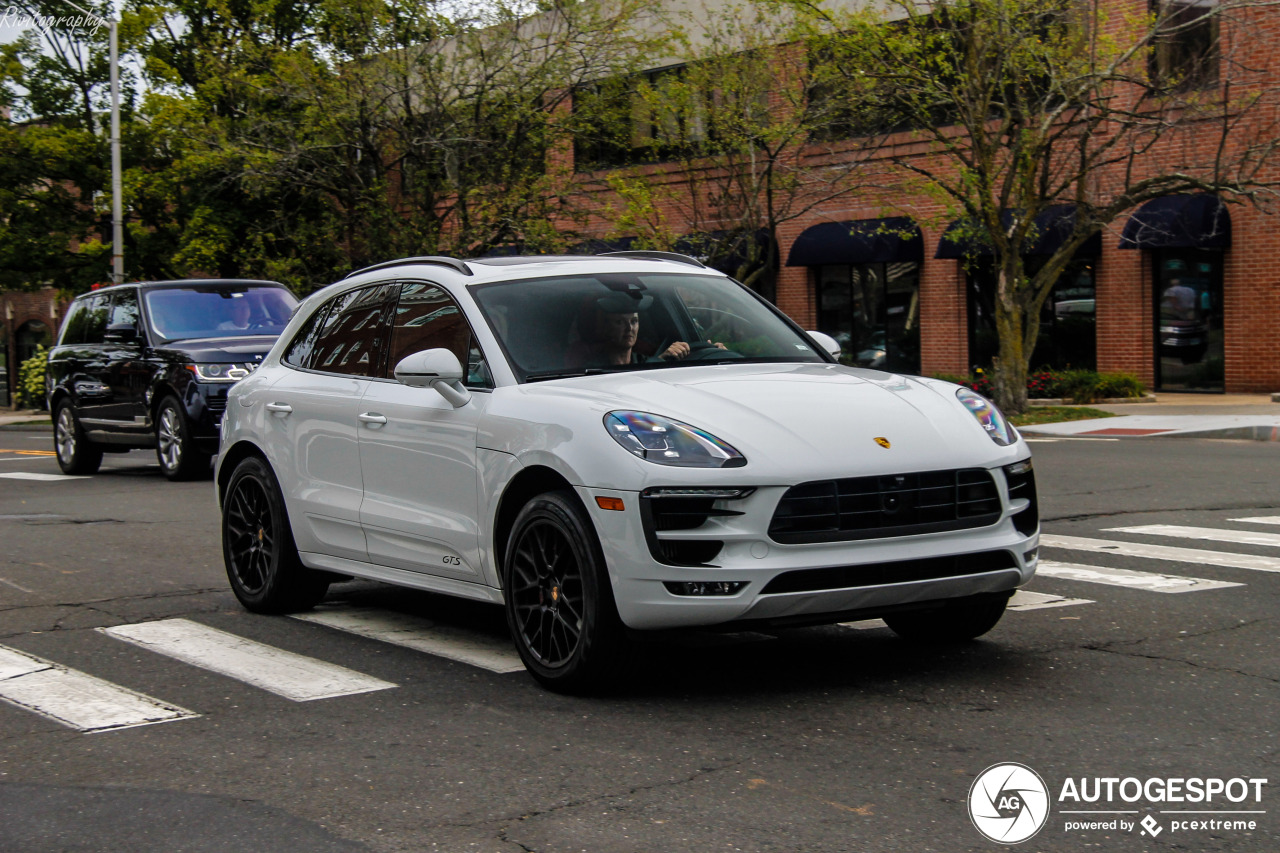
(1053, 226)
(863, 241)
(1179, 222)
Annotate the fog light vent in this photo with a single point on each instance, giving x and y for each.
(703, 587)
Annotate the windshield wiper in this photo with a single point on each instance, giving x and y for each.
(589, 371)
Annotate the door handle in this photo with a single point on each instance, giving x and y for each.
(281, 409)
(373, 419)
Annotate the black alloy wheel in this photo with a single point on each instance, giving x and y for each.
(262, 560)
(956, 622)
(559, 599)
(76, 454)
(176, 452)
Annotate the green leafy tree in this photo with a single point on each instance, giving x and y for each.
(53, 150)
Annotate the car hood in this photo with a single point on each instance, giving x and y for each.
(248, 348)
(802, 421)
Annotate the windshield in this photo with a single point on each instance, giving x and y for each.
(218, 311)
(570, 326)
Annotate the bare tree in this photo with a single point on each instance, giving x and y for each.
(1026, 105)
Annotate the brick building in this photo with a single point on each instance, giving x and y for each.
(27, 320)
(1183, 291)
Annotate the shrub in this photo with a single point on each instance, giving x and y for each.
(30, 391)
(1079, 386)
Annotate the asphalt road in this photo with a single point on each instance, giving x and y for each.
(825, 739)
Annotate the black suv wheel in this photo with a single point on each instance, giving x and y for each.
(76, 454)
(177, 453)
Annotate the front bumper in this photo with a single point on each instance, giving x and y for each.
(749, 557)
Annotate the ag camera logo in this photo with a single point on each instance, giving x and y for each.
(1008, 803)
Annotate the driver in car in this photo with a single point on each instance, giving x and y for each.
(240, 314)
(610, 331)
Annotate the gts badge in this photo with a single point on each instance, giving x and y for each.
(882, 441)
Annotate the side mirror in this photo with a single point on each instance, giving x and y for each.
(434, 368)
(827, 342)
(121, 333)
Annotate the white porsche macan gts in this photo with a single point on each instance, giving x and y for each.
(612, 444)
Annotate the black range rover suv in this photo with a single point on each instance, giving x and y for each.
(149, 365)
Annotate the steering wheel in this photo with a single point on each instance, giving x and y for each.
(707, 351)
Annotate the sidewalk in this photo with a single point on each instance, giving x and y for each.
(1246, 416)
(28, 418)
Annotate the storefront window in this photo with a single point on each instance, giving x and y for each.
(1188, 312)
(873, 310)
(1067, 337)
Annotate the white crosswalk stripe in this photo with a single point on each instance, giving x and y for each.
(1265, 519)
(76, 699)
(495, 654)
(1149, 581)
(284, 673)
(1162, 552)
(1024, 600)
(1211, 534)
(45, 478)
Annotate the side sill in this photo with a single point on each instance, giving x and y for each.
(400, 577)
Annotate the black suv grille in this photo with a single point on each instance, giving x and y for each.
(890, 505)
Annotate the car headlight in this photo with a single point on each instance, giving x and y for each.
(997, 428)
(667, 442)
(218, 372)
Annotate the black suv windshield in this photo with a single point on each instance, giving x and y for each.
(218, 311)
(571, 325)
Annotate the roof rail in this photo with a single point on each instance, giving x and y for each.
(452, 263)
(657, 256)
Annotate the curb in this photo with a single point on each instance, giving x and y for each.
(1248, 433)
(1105, 401)
(28, 424)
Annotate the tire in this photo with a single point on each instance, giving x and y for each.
(176, 452)
(76, 454)
(559, 600)
(258, 550)
(957, 622)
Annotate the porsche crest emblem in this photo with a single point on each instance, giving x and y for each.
(882, 441)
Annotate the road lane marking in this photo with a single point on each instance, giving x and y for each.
(75, 699)
(283, 673)
(414, 632)
(46, 478)
(1023, 600)
(18, 587)
(30, 452)
(1150, 581)
(1265, 519)
(1162, 552)
(1211, 534)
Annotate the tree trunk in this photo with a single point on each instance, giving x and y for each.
(1009, 369)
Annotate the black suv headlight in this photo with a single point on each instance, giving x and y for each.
(218, 372)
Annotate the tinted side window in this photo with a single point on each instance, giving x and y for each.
(299, 351)
(353, 339)
(94, 326)
(73, 326)
(124, 308)
(428, 318)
